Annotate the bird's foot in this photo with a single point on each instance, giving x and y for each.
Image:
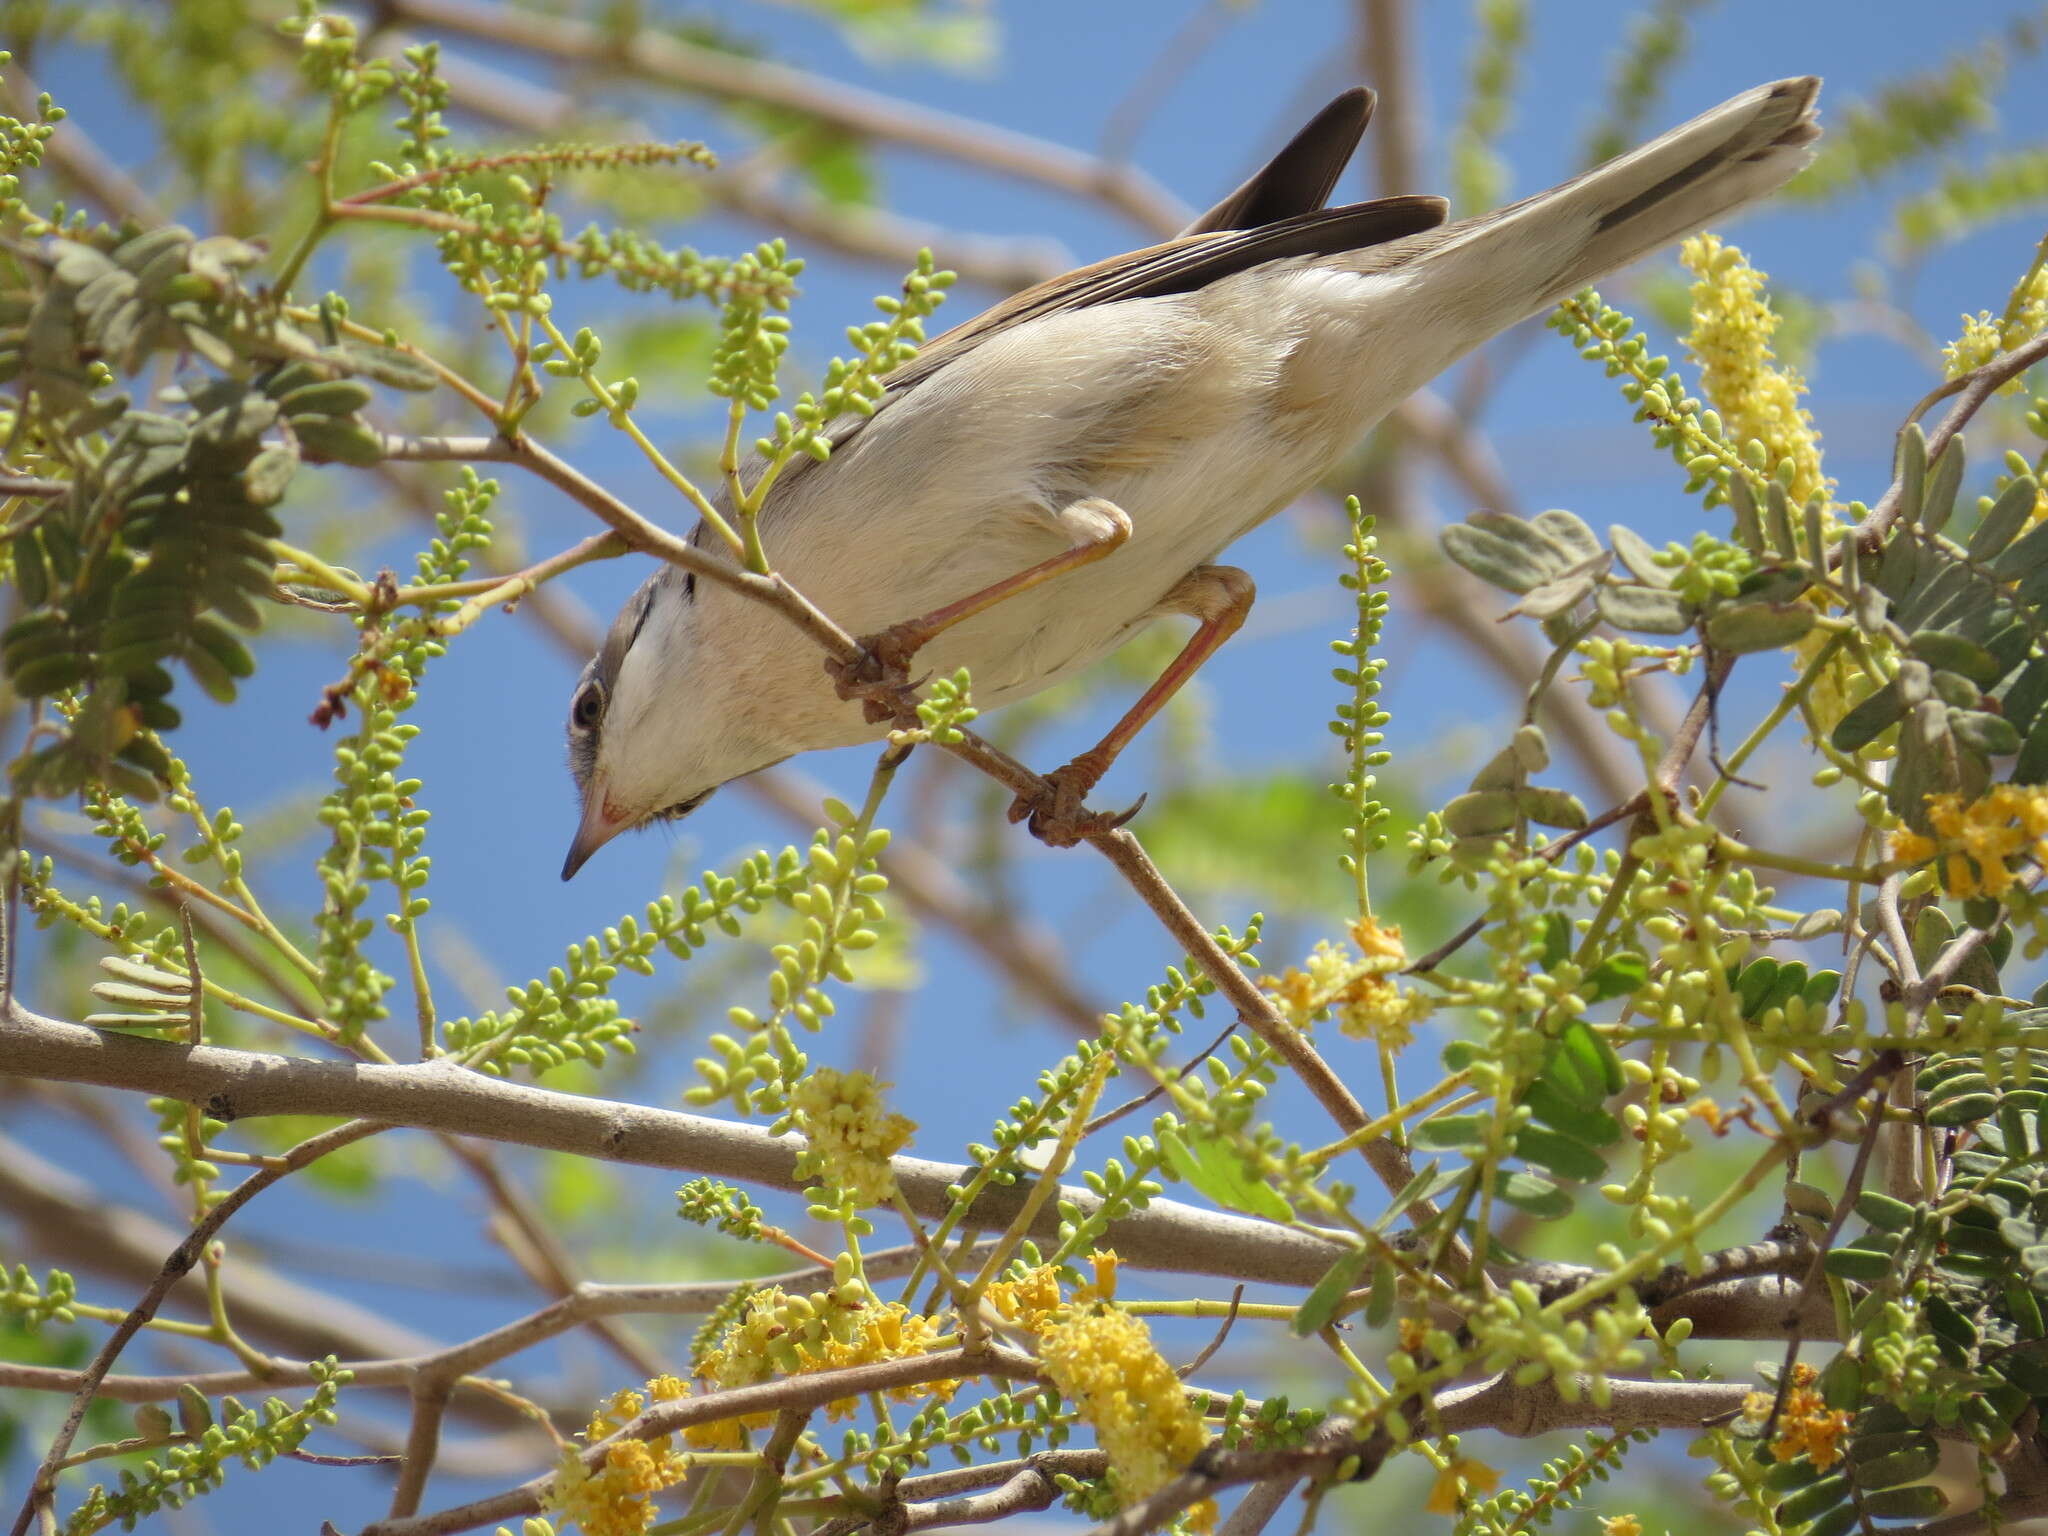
(1057, 816)
(881, 675)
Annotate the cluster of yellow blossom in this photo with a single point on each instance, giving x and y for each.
(842, 1116)
(1620, 1525)
(1361, 990)
(1034, 1299)
(1975, 841)
(1730, 339)
(886, 1331)
(1986, 335)
(1806, 1425)
(1461, 1478)
(779, 1334)
(1104, 1362)
(617, 1497)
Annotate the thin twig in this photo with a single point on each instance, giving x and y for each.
(666, 59)
(42, 1486)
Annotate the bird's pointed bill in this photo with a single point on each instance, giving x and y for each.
(601, 823)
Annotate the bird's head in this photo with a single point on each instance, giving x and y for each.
(643, 738)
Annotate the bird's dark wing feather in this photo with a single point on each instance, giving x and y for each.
(1299, 178)
(1181, 266)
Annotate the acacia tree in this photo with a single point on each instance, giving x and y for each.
(1642, 1041)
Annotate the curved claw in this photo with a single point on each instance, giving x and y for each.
(877, 678)
(1112, 820)
(1059, 819)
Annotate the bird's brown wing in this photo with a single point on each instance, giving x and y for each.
(1181, 266)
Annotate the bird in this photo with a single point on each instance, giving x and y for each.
(1046, 479)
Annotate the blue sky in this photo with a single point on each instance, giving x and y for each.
(491, 752)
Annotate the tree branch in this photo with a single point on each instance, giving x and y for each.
(441, 1096)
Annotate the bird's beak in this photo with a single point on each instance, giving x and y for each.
(602, 821)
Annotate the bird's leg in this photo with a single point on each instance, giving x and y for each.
(1218, 595)
(1097, 528)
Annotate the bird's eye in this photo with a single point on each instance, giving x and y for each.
(588, 708)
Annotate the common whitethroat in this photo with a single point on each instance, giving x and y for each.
(1046, 479)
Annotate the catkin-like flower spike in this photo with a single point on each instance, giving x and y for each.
(1730, 339)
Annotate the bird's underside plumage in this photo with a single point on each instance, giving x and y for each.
(1200, 385)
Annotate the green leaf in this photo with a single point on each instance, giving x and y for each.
(1532, 1194)
(1915, 1503)
(1504, 563)
(1643, 610)
(1559, 1153)
(1557, 939)
(1618, 976)
(1586, 1123)
(1549, 808)
(1754, 984)
(1583, 1066)
(1386, 1291)
(1857, 1264)
(1749, 627)
(1635, 552)
(1319, 1307)
(1814, 1499)
(1481, 813)
(1447, 1132)
(1952, 653)
(1216, 1168)
(1870, 719)
(1421, 1184)
(1984, 733)
(1884, 1212)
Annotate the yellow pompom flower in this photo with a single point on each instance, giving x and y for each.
(842, 1116)
(1104, 1362)
(616, 1498)
(1620, 1525)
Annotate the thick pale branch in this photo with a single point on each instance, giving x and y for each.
(440, 1096)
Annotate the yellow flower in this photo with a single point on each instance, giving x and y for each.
(1620, 1525)
(1377, 942)
(1461, 1480)
(799, 1335)
(1977, 842)
(1031, 1299)
(617, 1498)
(842, 1116)
(1806, 1425)
(1368, 1002)
(1103, 1261)
(1730, 339)
(1103, 1361)
(1985, 335)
